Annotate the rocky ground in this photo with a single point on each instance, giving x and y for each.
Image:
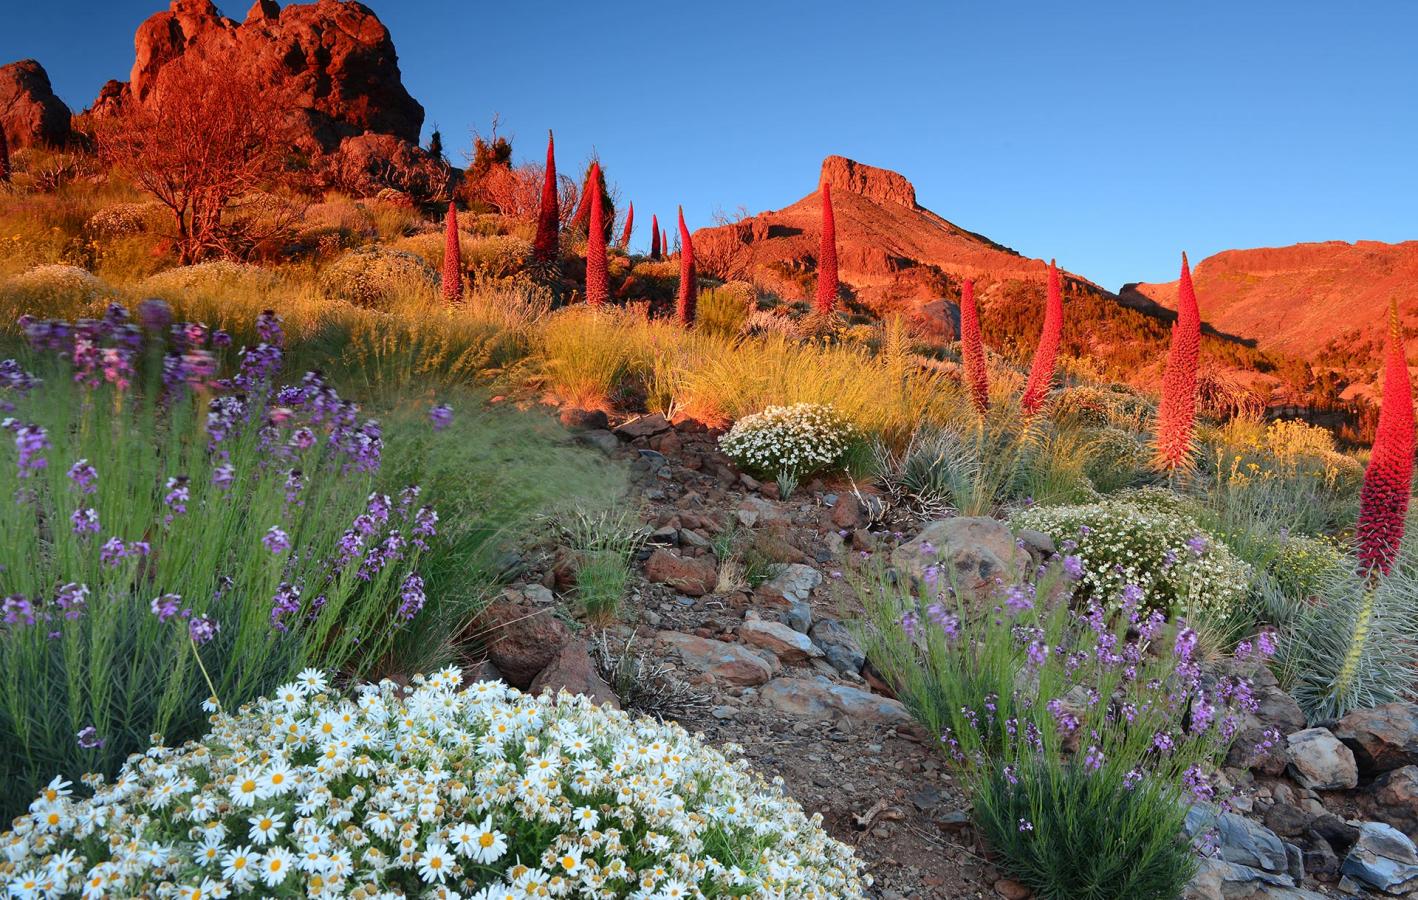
(738, 605)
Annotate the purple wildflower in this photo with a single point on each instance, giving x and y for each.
(1093, 759)
(154, 315)
(112, 552)
(17, 609)
(1197, 544)
(166, 606)
(1073, 567)
(88, 738)
(441, 416)
(286, 602)
(84, 520)
(412, 595)
(31, 441)
(909, 621)
(84, 476)
(276, 540)
(202, 629)
(268, 328)
(222, 477)
(72, 598)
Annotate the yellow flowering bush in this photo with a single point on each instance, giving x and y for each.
(437, 790)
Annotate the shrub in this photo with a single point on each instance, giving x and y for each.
(479, 790)
(723, 310)
(377, 277)
(172, 538)
(1080, 737)
(218, 278)
(604, 545)
(54, 290)
(1164, 552)
(121, 219)
(793, 441)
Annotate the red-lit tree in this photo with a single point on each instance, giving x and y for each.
(629, 225)
(654, 237)
(1176, 418)
(688, 288)
(1041, 373)
(597, 285)
(1388, 481)
(452, 259)
(972, 349)
(827, 257)
(544, 246)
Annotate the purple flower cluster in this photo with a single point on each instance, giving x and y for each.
(441, 416)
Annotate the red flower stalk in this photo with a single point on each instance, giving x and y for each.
(4, 158)
(544, 247)
(1176, 418)
(972, 349)
(1041, 373)
(827, 257)
(629, 224)
(596, 280)
(1388, 481)
(452, 260)
(654, 237)
(688, 288)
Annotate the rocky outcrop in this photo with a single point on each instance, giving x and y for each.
(331, 62)
(884, 185)
(30, 112)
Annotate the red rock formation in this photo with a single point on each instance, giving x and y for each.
(972, 349)
(597, 282)
(333, 63)
(1176, 417)
(544, 246)
(30, 112)
(1388, 481)
(1041, 372)
(827, 256)
(877, 184)
(452, 259)
(688, 276)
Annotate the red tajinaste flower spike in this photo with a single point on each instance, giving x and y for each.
(1041, 373)
(688, 288)
(597, 289)
(544, 246)
(4, 158)
(1176, 419)
(827, 257)
(452, 259)
(972, 349)
(1388, 481)
(654, 236)
(629, 224)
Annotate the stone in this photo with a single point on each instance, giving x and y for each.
(974, 554)
(521, 639)
(791, 584)
(1336, 832)
(1037, 543)
(783, 642)
(1287, 821)
(839, 646)
(1320, 761)
(1383, 738)
(754, 511)
(539, 594)
(1012, 890)
(727, 663)
(686, 574)
(1396, 799)
(481, 671)
(332, 64)
(584, 419)
(1217, 879)
(31, 114)
(1239, 840)
(819, 699)
(573, 671)
(847, 513)
(603, 441)
(1383, 858)
(643, 427)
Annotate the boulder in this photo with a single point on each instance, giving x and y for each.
(789, 589)
(725, 662)
(1255, 745)
(783, 642)
(1383, 738)
(819, 699)
(1217, 879)
(584, 419)
(1320, 761)
(521, 639)
(644, 427)
(573, 671)
(754, 511)
(974, 554)
(1396, 799)
(839, 646)
(1240, 840)
(1383, 858)
(334, 64)
(31, 114)
(689, 575)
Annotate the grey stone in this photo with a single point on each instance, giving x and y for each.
(1383, 858)
(973, 554)
(600, 439)
(1240, 840)
(786, 643)
(1383, 738)
(839, 646)
(819, 699)
(1320, 761)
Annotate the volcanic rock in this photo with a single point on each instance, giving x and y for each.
(30, 112)
(1383, 738)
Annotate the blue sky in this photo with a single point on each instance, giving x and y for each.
(1109, 135)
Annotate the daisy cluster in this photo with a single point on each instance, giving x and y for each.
(798, 440)
(1162, 551)
(435, 790)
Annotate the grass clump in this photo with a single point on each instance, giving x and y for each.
(603, 545)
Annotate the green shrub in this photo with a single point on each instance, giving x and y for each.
(604, 544)
(724, 309)
(53, 290)
(377, 278)
(1166, 553)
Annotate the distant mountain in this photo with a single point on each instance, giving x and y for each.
(895, 256)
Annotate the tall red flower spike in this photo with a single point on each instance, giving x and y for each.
(972, 349)
(827, 257)
(4, 158)
(629, 224)
(654, 236)
(1041, 373)
(596, 280)
(544, 246)
(1383, 501)
(1176, 418)
(453, 258)
(688, 289)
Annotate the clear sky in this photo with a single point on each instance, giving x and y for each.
(1110, 135)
